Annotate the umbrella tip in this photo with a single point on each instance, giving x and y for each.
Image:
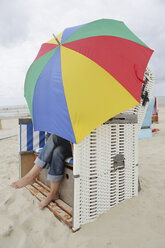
(56, 39)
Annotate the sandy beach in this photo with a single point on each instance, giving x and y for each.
(138, 222)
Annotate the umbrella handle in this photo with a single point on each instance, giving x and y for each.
(56, 39)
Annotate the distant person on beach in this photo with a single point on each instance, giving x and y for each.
(54, 153)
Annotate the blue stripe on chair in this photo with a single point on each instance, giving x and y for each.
(29, 137)
(41, 139)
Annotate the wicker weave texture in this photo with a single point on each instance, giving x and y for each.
(99, 186)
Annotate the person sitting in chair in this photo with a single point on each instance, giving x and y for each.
(54, 153)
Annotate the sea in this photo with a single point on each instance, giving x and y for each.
(17, 111)
(7, 112)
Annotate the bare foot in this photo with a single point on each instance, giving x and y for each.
(22, 182)
(49, 198)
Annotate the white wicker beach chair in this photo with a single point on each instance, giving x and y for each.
(105, 167)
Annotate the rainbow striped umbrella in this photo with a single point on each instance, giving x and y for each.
(85, 76)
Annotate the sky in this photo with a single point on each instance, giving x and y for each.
(25, 25)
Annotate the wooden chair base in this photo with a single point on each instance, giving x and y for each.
(59, 208)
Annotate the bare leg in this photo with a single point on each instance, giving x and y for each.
(27, 179)
(53, 195)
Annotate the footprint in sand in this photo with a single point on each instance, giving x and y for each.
(6, 227)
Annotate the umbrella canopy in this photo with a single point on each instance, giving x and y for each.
(86, 76)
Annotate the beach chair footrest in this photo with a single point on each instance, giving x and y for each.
(59, 208)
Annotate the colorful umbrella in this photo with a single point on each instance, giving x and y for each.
(85, 76)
